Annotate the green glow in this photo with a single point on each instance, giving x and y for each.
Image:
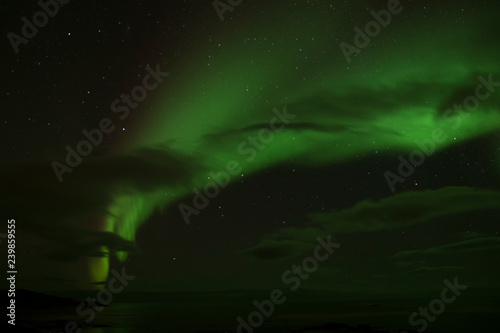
(390, 96)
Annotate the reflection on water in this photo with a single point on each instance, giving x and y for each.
(208, 317)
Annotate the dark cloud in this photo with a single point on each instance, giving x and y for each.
(395, 212)
(85, 243)
(52, 210)
(269, 249)
(467, 246)
(428, 269)
(406, 209)
(297, 126)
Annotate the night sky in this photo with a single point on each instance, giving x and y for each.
(382, 147)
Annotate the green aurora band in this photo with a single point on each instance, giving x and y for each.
(340, 112)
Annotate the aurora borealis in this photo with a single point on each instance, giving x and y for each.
(310, 137)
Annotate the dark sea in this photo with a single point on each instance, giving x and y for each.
(317, 317)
